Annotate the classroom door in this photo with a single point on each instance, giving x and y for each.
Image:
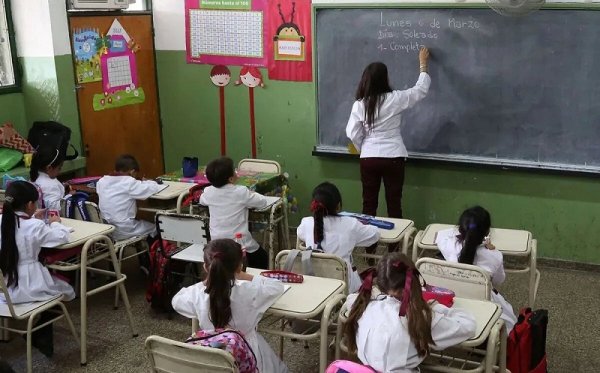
(114, 130)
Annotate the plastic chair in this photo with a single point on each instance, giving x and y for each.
(466, 280)
(259, 165)
(169, 356)
(29, 311)
(190, 230)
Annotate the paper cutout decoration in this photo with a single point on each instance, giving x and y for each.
(118, 98)
(289, 42)
(119, 70)
(117, 29)
(87, 55)
(220, 76)
(251, 77)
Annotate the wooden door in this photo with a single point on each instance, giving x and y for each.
(132, 129)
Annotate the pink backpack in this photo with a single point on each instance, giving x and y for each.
(346, 366)
(231, 341)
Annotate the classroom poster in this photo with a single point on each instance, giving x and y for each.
(226, 32)
(87, 55)
(290, 40)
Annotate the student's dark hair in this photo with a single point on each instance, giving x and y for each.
(473, 225)
(222, 257)
(373, 85)
(17, 195)
(391, 275)
(218, 171)
(45, 156)
(326, 199)
(126, 162)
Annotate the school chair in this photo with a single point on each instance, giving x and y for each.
(466, 280)
(95, 216)
(169, 356)
(29, 312)
(259, 165)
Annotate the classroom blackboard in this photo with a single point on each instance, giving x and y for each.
(510, 91)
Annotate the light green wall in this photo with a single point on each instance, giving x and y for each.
(12, 109)
(560, 209)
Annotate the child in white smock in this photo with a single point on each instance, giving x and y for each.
(46, 165)
(395, 330)
(469, 243)
(334, 234)
(230, 298)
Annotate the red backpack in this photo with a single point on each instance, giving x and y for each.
(526, 345)
(162, 286)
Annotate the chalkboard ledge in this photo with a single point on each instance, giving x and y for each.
(481, 162)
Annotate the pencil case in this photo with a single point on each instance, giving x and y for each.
(442, 295)
(284, 276)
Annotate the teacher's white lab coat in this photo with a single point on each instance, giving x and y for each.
(490, 261)
(383, 342)
(117, 196)
(341, 235)
(249, 301)
(52, 191)
(35, 281)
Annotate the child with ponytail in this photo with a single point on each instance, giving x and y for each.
(45, 167)
(231, 298)
(394, 331)
(21, 238)
(334, 234)
(470, 244)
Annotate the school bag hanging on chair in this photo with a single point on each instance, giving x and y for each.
(231, 341)
(526, 344)
(346, 366)
(52, 134)
(162, 286)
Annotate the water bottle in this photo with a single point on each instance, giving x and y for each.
(238, 239)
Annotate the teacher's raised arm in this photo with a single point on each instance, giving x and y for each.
(374, 129)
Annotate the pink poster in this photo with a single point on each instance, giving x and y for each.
(226, 32)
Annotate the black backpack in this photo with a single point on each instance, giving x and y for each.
(52, 134)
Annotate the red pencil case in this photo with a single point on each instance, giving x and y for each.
(442, 295)
(284, 276)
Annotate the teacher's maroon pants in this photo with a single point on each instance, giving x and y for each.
(372, 172)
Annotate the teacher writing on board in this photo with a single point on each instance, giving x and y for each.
(374, 129)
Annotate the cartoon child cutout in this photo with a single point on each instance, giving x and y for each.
(251, 77)
(220, 76)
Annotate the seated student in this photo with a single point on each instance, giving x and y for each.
(21, 239)
(45, 167)
(334, 234)
(117, 195)
(470, 244)
(230, 298)
(394, 331)
(228, 206)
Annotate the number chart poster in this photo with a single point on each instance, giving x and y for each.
(226, 32)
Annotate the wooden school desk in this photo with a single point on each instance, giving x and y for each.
(511, 242)
(489, 329)
(167, 198)
(96, 247)
(315, 296)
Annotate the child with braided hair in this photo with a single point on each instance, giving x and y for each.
(338, 235)
(395, 330)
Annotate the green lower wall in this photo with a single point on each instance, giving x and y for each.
(560, 209)
(12, 109)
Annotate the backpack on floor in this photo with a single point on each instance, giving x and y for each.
(526, 345)
(231, 341)
(52, 134)
(346, 366)
(163, 285)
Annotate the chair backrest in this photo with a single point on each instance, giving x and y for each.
(259, 165)
(92, 209)
(4, 290)
(167, 355)
(182, 228)
(324, 265)
(467, 281)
